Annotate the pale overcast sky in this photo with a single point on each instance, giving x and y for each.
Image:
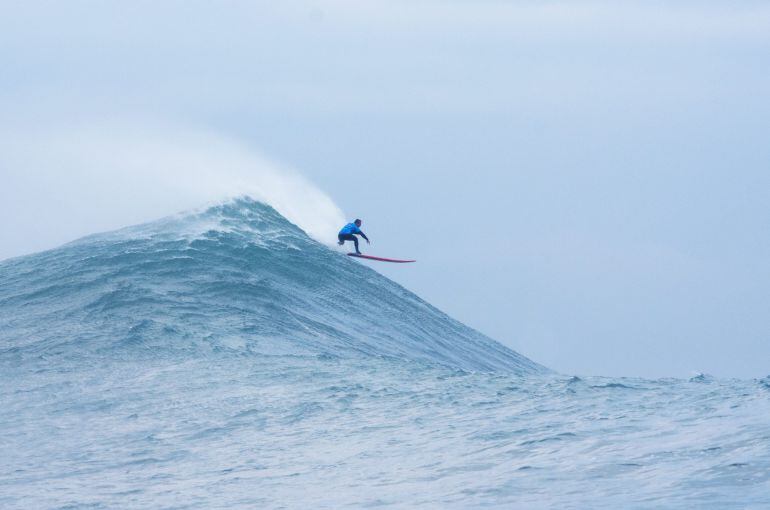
(587, 182)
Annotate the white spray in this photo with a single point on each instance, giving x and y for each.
(63, 183)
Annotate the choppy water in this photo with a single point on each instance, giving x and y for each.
(175, 366)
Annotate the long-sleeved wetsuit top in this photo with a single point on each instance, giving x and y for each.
(352, 228)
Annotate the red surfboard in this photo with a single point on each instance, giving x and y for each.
(381, 259)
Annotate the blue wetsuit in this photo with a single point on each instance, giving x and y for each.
(348, 233)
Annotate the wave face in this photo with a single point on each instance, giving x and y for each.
(238, 277)
(223, 359)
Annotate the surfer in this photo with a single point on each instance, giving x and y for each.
(349, 232)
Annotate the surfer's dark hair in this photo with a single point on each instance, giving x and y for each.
(357, 221)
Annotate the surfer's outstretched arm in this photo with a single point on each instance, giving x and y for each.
(364, 236)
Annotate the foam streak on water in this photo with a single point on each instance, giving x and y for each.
(225, 360)
(326, 433)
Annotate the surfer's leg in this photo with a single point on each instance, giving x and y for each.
(348, 237)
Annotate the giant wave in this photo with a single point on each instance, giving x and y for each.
(236, 277)
(224, 359)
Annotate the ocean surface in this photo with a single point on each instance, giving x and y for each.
(223, 359)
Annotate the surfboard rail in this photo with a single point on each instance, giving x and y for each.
(381, 259)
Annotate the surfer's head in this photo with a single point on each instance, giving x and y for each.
(357, 222)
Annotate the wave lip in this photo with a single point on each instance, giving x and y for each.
(237, 278)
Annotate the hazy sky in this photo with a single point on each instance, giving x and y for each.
(587, 182)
